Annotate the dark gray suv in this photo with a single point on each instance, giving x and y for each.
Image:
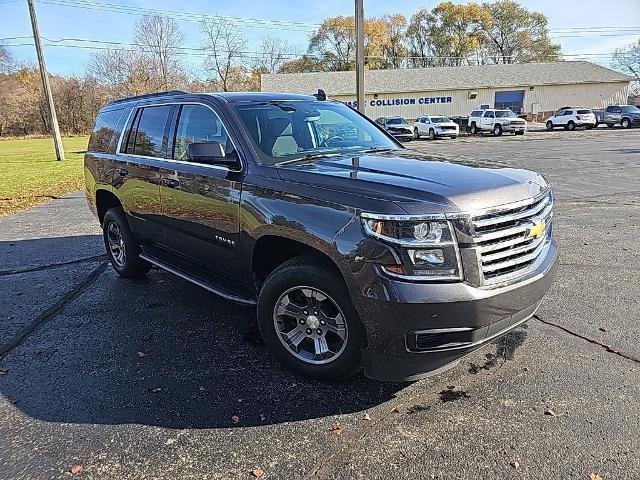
(356, 252)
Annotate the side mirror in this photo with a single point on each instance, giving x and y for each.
(210, 152)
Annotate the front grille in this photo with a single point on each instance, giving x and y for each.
(507, 241)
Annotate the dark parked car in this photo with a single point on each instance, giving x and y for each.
(396, 126)
(625, 115)
(355, 252)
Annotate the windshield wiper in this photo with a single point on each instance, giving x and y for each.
(309, 156)
(378, 149)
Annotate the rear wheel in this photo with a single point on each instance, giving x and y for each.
(571, 125)
(497, 129)
(626, 123)
(122, 248)
(432, 134)
(307, 319)
(549, 125)
(416, 133)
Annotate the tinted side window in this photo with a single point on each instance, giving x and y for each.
(199, 124)
(104, 131)
(584, 112)
(616, 110)
(149, 134)
(476, 113)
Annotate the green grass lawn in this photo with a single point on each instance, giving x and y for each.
(30, 173)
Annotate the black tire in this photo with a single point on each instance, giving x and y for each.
(416, 133)
(571, 126)
(549, 126)
(131, 265)
(610, 125)
(625, 123)
(474, 129)
(497, 130)
(432, 134)
(310, 271)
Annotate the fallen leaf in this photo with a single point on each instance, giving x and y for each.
(526, 369)
(366, 416)
(550, 412)
(337, 429)
(257, 472)
(156, 390)
(395, 410)
(4, 371)
(76, 469)
(602, 329)
(515, 464)
(595, 476)
(235, 419)
(141, 354)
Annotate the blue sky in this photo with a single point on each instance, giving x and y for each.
(57, 21)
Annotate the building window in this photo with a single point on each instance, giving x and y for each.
(512, 100)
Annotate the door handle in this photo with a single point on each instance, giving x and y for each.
(122, 171)
(170, 182)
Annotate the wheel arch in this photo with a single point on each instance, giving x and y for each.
(105, 200)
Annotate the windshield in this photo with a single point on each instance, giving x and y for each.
(396, 121)
(631, 109)
(439, 120)
(288, 130)
(504, 113)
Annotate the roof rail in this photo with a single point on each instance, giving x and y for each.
(148, 95)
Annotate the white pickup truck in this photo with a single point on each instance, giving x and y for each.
(496, 121)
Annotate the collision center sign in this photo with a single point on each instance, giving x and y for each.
(392, 102)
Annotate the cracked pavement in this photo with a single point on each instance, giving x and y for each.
(157, 378)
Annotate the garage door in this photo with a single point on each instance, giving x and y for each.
(512, 99)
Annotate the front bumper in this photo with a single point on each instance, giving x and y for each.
(451, 320)
(514, 128)
(446, 133)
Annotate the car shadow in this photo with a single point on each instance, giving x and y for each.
(161, 351)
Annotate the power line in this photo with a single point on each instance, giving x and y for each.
(185, 16)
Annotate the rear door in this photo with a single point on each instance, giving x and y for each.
(200, 202)
(137, 169)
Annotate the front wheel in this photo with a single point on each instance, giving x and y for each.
(307, 319)
(626, 123)
(549, 125)
(474, 129)
(122, 248)
(432, 134)
(521, 132)
(497, 130)
(416, 134)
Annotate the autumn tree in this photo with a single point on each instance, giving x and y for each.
(224, 44)
(160, 40)
(513, 34)
(394, 47)
(306, 63)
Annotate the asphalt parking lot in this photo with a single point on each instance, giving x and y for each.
(158, 378)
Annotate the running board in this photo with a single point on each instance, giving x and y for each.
(199, 282)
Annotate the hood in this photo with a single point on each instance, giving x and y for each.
(417, 183)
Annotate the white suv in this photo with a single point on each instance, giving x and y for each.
(570, 118)
(435, 126)
(496, 121)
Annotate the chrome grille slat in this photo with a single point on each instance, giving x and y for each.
(494, 220)
(505, 247)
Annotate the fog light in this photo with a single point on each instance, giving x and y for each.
(428, 257)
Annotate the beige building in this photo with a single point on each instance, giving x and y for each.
(532, 88)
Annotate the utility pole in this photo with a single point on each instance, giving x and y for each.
(360, 54)
(53, 119)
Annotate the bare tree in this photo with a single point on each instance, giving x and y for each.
(627, 60)
(124, 72)
(272, 55)
(6, 61)
(160, 40)
(224, 44)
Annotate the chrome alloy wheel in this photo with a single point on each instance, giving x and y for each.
(310, 324)
(116, 244)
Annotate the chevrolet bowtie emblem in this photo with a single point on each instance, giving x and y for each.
(537, 230)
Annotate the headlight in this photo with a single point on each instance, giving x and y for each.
(427, 245)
